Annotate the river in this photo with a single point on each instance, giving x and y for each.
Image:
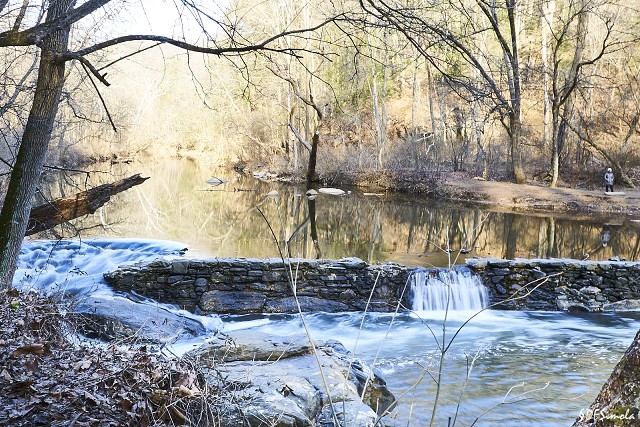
(516, 368)
(177, 204)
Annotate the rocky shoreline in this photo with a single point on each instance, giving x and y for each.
(532, 198)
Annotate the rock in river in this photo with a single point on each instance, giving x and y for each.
(110, 318)
(279, 381)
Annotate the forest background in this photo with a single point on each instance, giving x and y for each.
(531, 90)
(425, 86)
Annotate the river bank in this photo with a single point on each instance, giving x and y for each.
(53, 376)
(533, 198)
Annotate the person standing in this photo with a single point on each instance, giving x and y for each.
(608, 180)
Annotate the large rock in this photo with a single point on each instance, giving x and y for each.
(624, 305)
(110, 318)
(222, 302)
(282, 383)
(288, 305)
(252, 346)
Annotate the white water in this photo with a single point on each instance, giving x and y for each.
(76, 267)
(574, 353)
(448, 290)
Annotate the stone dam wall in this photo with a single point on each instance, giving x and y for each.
(263, 285)
(238, 286)
(567, 285)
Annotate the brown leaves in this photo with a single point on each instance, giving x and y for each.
(31, 349)
(82, 365)
(45, 380)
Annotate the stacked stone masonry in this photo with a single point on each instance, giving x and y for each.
(561, 284)
(264, 285)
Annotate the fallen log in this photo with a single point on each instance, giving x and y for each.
(61, 210)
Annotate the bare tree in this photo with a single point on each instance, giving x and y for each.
(565, 82)
(310, 101)
(51, 38)
(432, 33)
(591, 30)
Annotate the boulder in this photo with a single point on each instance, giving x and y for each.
(282, 383)
(216, 181)
(109, 318)
(624, 305)
(232, 302)
(332, 191)
(288, 305)
(251, 345)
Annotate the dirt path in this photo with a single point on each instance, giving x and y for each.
(539, 199)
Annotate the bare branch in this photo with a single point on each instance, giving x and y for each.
(84, 67)
(35, 34)
(89, 67)
(237, 49)
(20, 17)
(128, 56)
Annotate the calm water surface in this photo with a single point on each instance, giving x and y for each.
(236, 219)
(516, 368)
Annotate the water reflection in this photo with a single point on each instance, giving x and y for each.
(236, 219)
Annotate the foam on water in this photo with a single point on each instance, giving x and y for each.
(77, 266)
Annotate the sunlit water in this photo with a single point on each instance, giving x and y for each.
(236, 219)
(516, 368)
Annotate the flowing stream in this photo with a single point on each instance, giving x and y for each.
(524, 368)
(507, 368)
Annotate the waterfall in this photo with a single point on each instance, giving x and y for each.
(462, 289)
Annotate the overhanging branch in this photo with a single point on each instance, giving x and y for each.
(227, 50)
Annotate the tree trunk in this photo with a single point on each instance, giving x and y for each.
(546, 25)
(432, 95)
(564, 99)
(313, 156)
(513, 78)
(414, 136)
(35, 142)
(516, 148)
(59, 211)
